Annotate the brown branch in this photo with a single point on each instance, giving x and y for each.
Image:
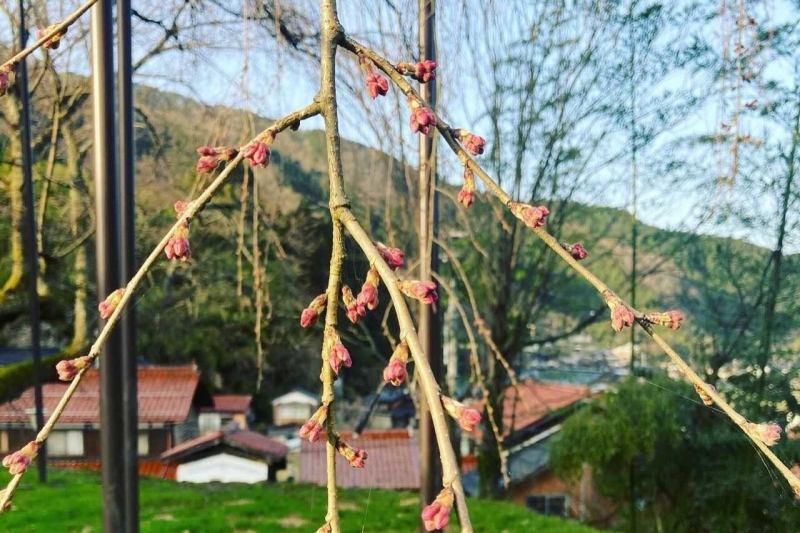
(191, 211)
(553, 244)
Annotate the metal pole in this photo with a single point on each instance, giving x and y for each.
(32, 253)
(106, 198)
(429, 326)
(128, 262)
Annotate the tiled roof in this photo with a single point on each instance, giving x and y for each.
(231, 403)
(392, 462)
(165, 395)
(248, 441)
(535, 399)
(147, 467)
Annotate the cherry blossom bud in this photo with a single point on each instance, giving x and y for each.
(178, 244)
(257, 152)
(19, 461)
(577, 251)
(53, 42)
(338, 354)
(68, 369)
(311, 313)
(312, 429)
(396, 372)
(474, 144)
(392, 256)
(707, 400)
(422, 118)
(467, 417)
(437, 515)
(670, 319)
(354, 456)
(769, 434)
(424, 291)
(108, 306)
(5, 79)
(621, 316)
(423, 71)
(377, 85)
(368, 297)
(181, 206)
(466, 196)
(533, 217)
(210, 157)
(353, 310)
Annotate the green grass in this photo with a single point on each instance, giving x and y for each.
(71, 503)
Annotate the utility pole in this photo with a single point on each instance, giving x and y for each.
(32, 253)
(112, 425)
(429, 324)
(127, 174)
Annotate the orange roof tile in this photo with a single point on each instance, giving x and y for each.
(535, 399)
(232, 403)
(165, 395)
(392, 462)
(243, 439)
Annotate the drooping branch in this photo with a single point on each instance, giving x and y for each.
(554, 244)
(186, 216)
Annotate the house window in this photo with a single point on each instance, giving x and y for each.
(294, 411)
(4, 441)
(144, 443)
(65, 443)
(548, 504)
(208, 422)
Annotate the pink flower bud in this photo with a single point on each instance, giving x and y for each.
(339, 356)
(474, 144)
(466, 196)
(109, 305)
(181, 206)
(577, 251)
(621, 316)
(423, 71)
(210, 157)
(707, 400)
(68, 369)
(258, 153)
(396, 372)
(354, 311)
(19, 461)
(424, 291)
(437, 515)
(178, 244)
(53, 42)
(670, 319)
(769, 434)
(310, 314)
(392, 256)
(533, 217)
(368, 297)
(354, 456)
(312, 429)
(467, 417)
(422, 118)
(377, 85)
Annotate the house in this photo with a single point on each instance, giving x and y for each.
(393, 455)
(226, 408)
(170, 398)
(231, 455)
(294, 408)
(532, 418)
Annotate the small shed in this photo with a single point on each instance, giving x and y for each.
(228, 456)
(294, 408)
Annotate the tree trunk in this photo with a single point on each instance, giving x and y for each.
(74, 158)
(15, 183)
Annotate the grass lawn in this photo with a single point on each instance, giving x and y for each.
(71, 502)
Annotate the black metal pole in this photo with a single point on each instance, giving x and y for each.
(429, 326)
(112, 453)
(128, 261)
(32, 253)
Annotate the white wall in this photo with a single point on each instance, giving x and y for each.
(225, 468)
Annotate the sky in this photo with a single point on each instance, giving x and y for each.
(239, 66)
